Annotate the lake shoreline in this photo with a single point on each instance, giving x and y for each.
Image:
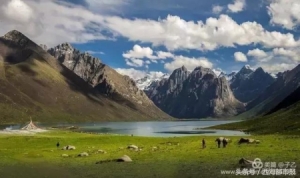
(149, 129)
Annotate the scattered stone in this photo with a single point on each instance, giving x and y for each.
(84, 154)
(245, 163)
(121, 148)
(154, 148)
(102, 151)
(133, 147)
(65, 155)
(124, 158)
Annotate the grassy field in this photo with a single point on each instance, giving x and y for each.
(36, 156)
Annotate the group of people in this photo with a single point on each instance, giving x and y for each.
(219, 140)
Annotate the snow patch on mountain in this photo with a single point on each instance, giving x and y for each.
(227, 76)
(145, 82)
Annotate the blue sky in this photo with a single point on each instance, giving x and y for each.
(140, 36)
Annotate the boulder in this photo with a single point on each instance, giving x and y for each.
(65, 155)
(133, 147)
(245, 163)
(84, 154)
(124, 158)
(101, 151)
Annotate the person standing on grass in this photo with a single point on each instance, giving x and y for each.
(203, 143)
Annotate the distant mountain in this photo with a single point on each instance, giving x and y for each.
(199, 94)
(35, 84)
(145, 82)
(285, 84)
(247, 84)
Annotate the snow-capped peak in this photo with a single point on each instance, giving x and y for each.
(227, 76)
(145, 82)
(247, 67)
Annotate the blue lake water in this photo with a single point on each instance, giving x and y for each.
(153, 129)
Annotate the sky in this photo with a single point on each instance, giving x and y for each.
(137, 37)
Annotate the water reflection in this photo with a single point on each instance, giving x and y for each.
(151, 129)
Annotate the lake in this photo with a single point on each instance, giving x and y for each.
(153, 129)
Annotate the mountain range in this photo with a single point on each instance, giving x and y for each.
(197, 94)
(62, 84)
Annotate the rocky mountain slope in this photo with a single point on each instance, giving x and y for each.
(103, 78)
(35, 84)
(198, 94)
(285, 84)
(247, 84)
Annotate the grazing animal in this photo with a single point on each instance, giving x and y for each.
(219, 142)
(224, 143)
(244, 140)
(248, 140)
(223, 140)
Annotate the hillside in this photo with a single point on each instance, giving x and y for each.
(284, 121)
(35, 84)
(288, 101)
(286, 83)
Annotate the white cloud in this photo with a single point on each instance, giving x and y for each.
(107, 6)
(18, 11)
(293, 54)
(134, 62)
(279, 59)
(53, 23)
(237, 6)
(189, 63)
(240, 57)
(132, 73)
(216, 9)
(95, 52)
(285, 13)
(139, 52)
(176, 33)
(276, 67)
(257, 53)
(164, 55)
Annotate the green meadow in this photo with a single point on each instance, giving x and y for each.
(36, 156)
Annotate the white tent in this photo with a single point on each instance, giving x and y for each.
(30, 126)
